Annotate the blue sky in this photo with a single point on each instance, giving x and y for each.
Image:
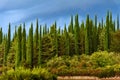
(47, 11)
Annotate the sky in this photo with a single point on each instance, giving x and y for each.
(47, 12)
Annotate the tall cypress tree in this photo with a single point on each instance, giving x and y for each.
(95, 34)
(56, 39)
(87, 36)
(91, 48)
(5, 50)
(30, 47)
(117, 22)
(36, 34)
(86, 43)
(9, 36)
(1, 35)
(107, 33)
(67, 41)
(71, 26)
(102, 24)
(19, 48)
(24, 43)
(40, 47)
(76, 33)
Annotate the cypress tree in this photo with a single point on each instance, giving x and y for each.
(107, 33)
(36, 37)
(82, 38)
(24, 43)
(76, 33)
(91, 48)
(71, 26)
(5, 51)
(30, 47)
(9, 37)
(19, 48)
(117, 22)
(102, 24)
(86, 43)
(40, 47)
(59, 31)
(56, 39)
(67, 42)
(1, 35)
(114, 26)
(95, 34)
(87, 36)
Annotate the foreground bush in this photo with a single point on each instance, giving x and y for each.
(27, 74)
(100, 64)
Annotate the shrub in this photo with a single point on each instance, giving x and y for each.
(27, 74)
(102, 59)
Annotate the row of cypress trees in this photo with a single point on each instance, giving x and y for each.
(75, 39)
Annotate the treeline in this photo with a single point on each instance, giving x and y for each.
(77, 38)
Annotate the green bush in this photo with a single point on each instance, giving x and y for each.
(102, 59)
(27, 74)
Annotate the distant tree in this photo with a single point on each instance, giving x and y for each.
(1, 35)
(82, 38)
(24, 44)
(95, 35)
(40, 48)
(9, 37)
(56, 39)
(76, 33)
(117, 22)
(86, 43)
(5, 50)
(36, 34)
(30, 47)
(67, 41)
(107, 33)
(70, 28)
(87, 50)
(19, 48)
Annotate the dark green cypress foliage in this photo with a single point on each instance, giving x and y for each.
(102, 24)
(40, 47)
(76, 33)
(43, 32)
(117, 22)
(19, 47)
(67, 41)
(59, 31)
(95, 35)
(36, 38)
(71, 26)
(82, 38)
(24, 44)
(86, 43)
(15, 34)
(107, 33)
(7, 44)
(30, 47)
(5, 50)
(45, 28)
(91, 50)
(1, 35)
(9, 36)
(56, 39)
(114, 26)
(36, 34)
(87, 36)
